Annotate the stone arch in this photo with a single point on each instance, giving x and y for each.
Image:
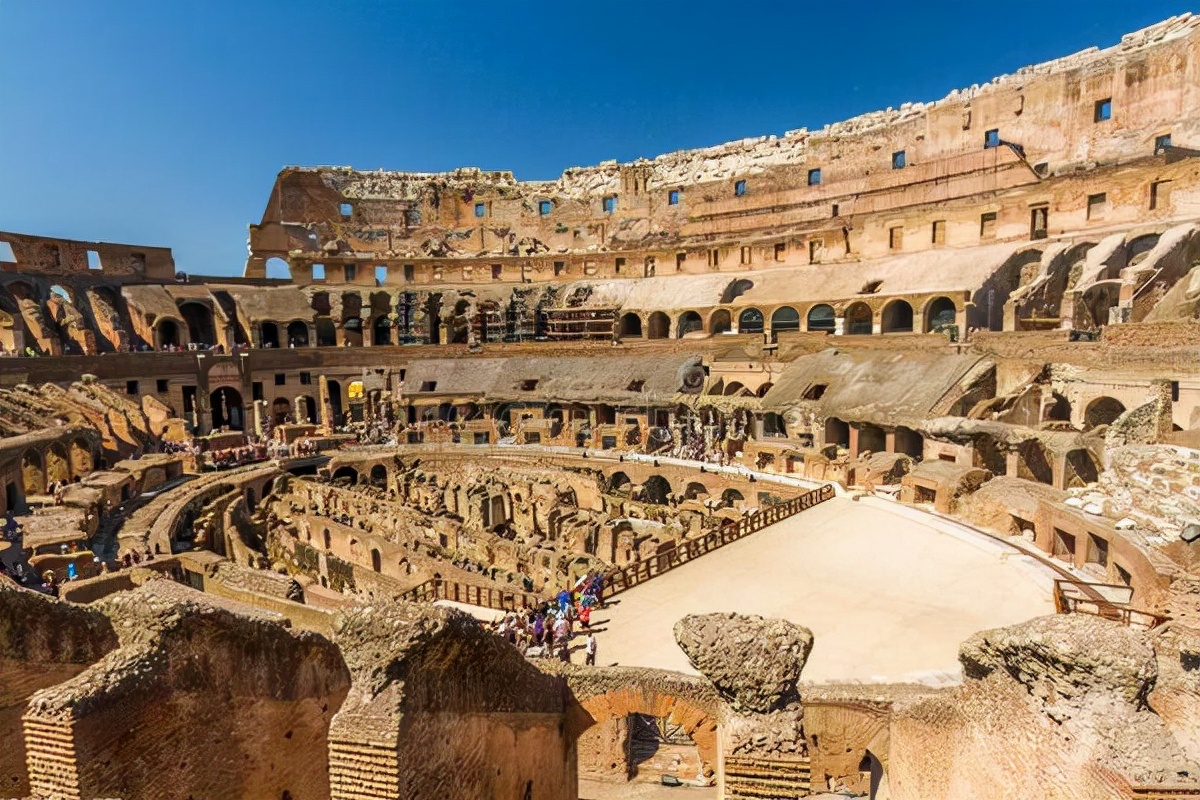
(167, 333)
(785, 319)
(698, 722)
(821, 317)
(761, 391)
(1059, 410)
(199, 319)
(381, 331)
(58, 465)
(278, 269)
(656, 489)
(1081, 469)
(689, 322)
(658, 326)
(940, 314)
(269, 334)
(1102, 410)
(1137, 246)
(33, 472)
(352, 332)
(721, 321)
(308, 404)
(897, 317)
(379, 476)
(616, 481)
(735, 389)
(630, 326)
(694, 489)
(82, 458)
(376, 560)
(326, 333)
(297, 334)
(345, 473)
(750, 321)
(280, 410)
(227, 409)
(731, 496)
(859, 319)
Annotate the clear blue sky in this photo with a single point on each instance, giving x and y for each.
(165, 122)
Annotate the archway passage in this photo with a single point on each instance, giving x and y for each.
(837, 432)
(270, 334)
(720, 322)
(785, 319)
(297, 334)
(281, 409)
(58, 466)
(940, 315)
(33, 473)
(381, 332)
(897, 317)
(167, 334)
(379, 476)
(326, 333)
(750, 321)
(1102, 411)
(352, 332)
(659, 325)
(199, 319)
(82, 462)
(308, 406)
(656, 489)
(858, 320)
(630, 326)
(690, 322)
(227, 409)
(344, 475)
(606, 725)
(822, 318)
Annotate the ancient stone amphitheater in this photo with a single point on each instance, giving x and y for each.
(884, 440)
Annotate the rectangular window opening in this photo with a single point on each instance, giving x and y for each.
(93, 259)
(780, 251)
(895, 238)
(545, 207)
(939, 231)
(256, 392)
(306, 379)
(529, 384)
(560, 268)
(1103, 110)
(679, 259)
(746, 254)
(991, 138)
(6, 253)
(162, 385)
(618, 265)
(408, 272)
(610, 204)
(318, 272)
(987, 225)
(381, 275)
(1160, 195)
(480, 210)
(739, 189)
(814, 250)
(836, 210)
(899, 160)
(714, 257)
(497, 271)
(350, 271)
(814, 177)
(635, 385)
(280, 378)
(1039, 217)
(673, 197)
(131, 387)
(428, 386)
(346, 210)
(1097, 204)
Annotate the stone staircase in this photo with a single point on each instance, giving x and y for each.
(50, 756)
(362, 771)
(767, 778)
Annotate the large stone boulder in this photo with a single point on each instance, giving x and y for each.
(1066, 658)
(753, 662)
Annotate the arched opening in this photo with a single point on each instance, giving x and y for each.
(199, 319)
(897, 317)
(689, 322)
(822, 318)
(281, 409)
(837, 432)
(750, 321)
(308, 406)
(694, 490)
(630, 326)
(82, 461)
(1102, 411)
(858, 320)
(33, 474)
(297, 334)
(166, 334)
(909, 442)
(785, 319)
(619, 483)
(381, 331)
(278, 269)
(335, 403)
(352, 332)
(731, 497)
(1059, 409)
(721, 321)
(320, 304)
(1033, 463)
(940, 315)
(735, 389)
(658, 326)
(346, 476)
(326, 333)
(657, 490)
(762, 390)
(376, 560)
(379, 476)
(1099, 299)
(227, 409)
(270, 334)
(58, 466)
(871, 439)
(1081, 469)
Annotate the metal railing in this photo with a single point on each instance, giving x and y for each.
(623, 578)
(1079, 597)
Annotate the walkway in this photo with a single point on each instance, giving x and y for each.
(888, 593)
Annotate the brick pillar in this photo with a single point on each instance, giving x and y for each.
(854, 441)
(889, 440)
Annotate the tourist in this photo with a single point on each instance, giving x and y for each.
(589, 650)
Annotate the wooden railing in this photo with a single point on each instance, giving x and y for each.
(1079, 597)
(620, 579)
(472, 594)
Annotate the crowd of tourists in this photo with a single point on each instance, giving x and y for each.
(235, 456)
(548, 630)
